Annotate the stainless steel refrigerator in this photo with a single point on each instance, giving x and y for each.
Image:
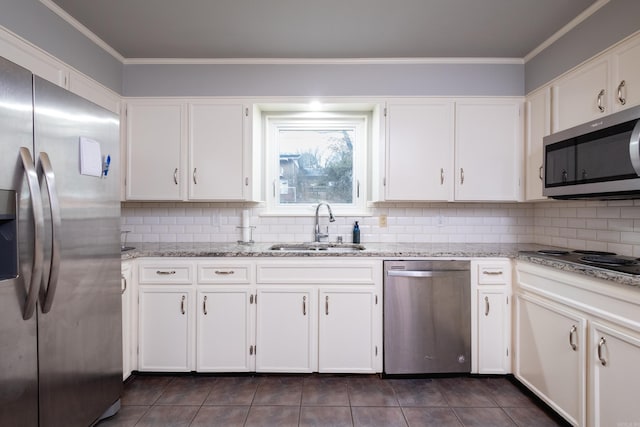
(60, 303)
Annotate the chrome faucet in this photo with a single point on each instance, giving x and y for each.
(318, 234)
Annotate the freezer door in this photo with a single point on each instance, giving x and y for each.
(18, 339)
(79, 328)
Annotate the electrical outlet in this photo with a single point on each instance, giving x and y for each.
(382, 221)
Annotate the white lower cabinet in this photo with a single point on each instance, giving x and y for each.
(491, 316)
(571, 328)
(285, 330)
(165, 338)
(224, 332)
(347, 341)
(127, 303)
(551, 355)
(614, 376)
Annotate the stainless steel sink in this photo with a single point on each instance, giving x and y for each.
(317, 247)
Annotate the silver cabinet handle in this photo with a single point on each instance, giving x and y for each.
(195, 175)
(601, 344)
(441, 176)
(204, 305)
(175, 176)
(621, 99)
(124, 280)
(486, 306)
(565, 176)
(572, 332)
(182, 304)
(358, 189)
(246, 181)
(461, 176)
(326, 305)
(224, 272)
(38, 233)
(540, 173)
(492, 273)
(54, 207)
(599, 102)
(304, 306)
(166, 273)
(419, 273)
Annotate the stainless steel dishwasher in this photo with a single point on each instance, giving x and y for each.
(427, 317)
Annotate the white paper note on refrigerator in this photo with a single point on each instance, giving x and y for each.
(90, 157)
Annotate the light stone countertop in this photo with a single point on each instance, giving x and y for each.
(380, 250)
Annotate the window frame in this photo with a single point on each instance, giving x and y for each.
(360, 121)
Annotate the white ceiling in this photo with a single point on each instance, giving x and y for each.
(323, 28)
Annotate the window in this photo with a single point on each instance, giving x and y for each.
(316, 158)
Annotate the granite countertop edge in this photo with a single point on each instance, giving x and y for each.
(520, 251)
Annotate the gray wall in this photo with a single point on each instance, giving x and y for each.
(323, 80)
(610, 24)
(36, 23)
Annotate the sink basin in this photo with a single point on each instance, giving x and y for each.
(126, 248)
(317, 247)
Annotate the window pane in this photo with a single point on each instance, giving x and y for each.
(316, 165)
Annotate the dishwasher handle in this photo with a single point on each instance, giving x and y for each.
(420, 273)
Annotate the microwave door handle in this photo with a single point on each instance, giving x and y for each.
(38, 233)
(634, 148)
(49, 177)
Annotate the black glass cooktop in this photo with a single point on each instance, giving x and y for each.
(598, 259)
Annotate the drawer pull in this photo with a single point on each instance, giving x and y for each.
(492, 272)
(224, 272)
(166, 273)
(572, 332)
(601, 344)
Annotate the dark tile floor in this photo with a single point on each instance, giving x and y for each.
(319, 400)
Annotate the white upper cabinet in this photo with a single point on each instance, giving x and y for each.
(625, 61)
(582, 95)
(156, 132)
(217, 138)
(419, 157)
(488, 150)
(179, 150)
(538, 125)
(448, 149)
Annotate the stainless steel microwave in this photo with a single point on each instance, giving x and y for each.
(597, 160)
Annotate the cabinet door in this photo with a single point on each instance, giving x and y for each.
(285, 341)
(550, 356)
(155, 136)
(224, 330)
(216, 152)
(420, 150)
(488, 150)
(347, 342)
(581, 95)
(538, 125)
(614, 377)
(626, 80)
(125, 283)
(493, 332)
(165, 329)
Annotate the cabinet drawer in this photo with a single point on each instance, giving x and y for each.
(317, 273)
(493, 274)
(224, 273)
(159, 273)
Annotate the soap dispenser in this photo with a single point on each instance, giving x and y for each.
(356, 233)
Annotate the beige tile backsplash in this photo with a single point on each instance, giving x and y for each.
(597, 225)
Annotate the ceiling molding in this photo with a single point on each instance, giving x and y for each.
(564, 30)
(318, 61)
(82, 29)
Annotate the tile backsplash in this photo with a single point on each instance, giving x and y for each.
(597, 225)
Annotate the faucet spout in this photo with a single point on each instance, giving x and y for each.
(317, 233)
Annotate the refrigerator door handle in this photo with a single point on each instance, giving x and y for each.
(38, 233)
(50, 180)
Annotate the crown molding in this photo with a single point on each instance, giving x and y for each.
(564, 30)
(82, 29)
(318, 61)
